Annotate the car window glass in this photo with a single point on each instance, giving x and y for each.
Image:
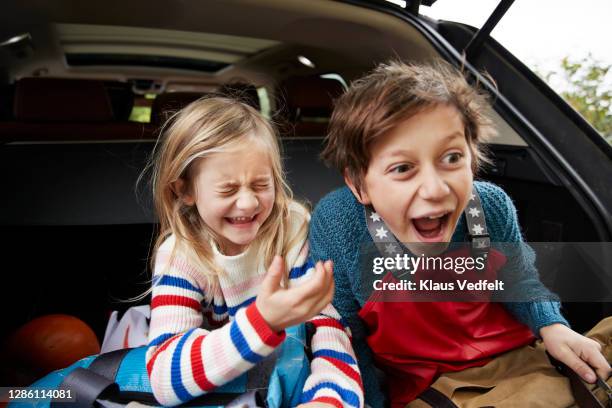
(565, 43)
(141, 112)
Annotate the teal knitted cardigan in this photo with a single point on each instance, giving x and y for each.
(338, 229)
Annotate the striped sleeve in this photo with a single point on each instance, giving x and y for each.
(185, 361)
(335, 377)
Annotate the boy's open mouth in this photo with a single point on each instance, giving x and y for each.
(431, 228)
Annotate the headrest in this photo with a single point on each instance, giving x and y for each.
(7, 94)
(121, 99)
(167, 104)
(244, 92)
(311, 95)
(62, 100)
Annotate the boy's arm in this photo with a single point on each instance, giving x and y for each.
(543, 308)
(345, 303)
(543, 314)
(184, 361)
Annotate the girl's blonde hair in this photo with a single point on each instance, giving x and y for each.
(207, 126)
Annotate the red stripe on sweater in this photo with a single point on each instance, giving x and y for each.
(175, 300)
(328, 322)
(267, 336)
(329, 400)
(345, 368)
(197, 366)
(159, 350)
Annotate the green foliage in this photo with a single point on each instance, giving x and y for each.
(587, 90)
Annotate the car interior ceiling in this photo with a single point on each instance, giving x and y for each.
(77, 227)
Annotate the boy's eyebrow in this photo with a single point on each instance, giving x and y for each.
(453, 135)
(446, 139)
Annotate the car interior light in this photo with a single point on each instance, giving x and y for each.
(305, 61)
(16, 39)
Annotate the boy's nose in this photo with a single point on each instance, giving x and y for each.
(247, 201)
(433, 187)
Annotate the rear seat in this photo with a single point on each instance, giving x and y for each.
(307, 104)
(167, 104)
(71, 219)
(57, 109)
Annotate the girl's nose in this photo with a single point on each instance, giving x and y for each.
(433, 187)
(247, 201)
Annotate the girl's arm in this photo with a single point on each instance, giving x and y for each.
(335, 377)
(324, 244)
(185, 361)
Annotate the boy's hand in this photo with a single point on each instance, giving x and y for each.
(577, 352)
(285, 307)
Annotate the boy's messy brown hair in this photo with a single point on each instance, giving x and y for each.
(390, 94)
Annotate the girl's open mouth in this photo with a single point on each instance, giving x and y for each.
(432, 228)
(241, 221)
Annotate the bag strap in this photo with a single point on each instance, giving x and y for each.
(107, 364)
(476, 225)
(583, 395)
(436, 399)
(87, 387)
(97, 382)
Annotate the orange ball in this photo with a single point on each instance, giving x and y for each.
(51, 342)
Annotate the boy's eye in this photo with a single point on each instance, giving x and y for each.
(401, 168)
(452, 158)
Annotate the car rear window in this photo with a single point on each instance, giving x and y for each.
(565, 44)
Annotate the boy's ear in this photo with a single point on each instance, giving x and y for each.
(180, 188)
(359, 192)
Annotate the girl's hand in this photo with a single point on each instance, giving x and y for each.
(315, 405)
(285, 307)
(577, 352)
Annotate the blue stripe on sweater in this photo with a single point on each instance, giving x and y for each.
(299, 271)
(175, 370)
(344, 357)
(234, 309)
(347, 396)
(219, 310)
(160, 339)
(177, 283)
(242, 346)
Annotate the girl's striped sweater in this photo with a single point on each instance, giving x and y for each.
(185, 359)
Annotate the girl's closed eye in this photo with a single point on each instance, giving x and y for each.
(261, 186)
(227, 189)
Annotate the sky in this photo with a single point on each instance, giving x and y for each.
(540, 32)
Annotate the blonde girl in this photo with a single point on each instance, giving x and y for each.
(231, 263)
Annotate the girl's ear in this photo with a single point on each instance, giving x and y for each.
(359, 192)
(180, 188)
